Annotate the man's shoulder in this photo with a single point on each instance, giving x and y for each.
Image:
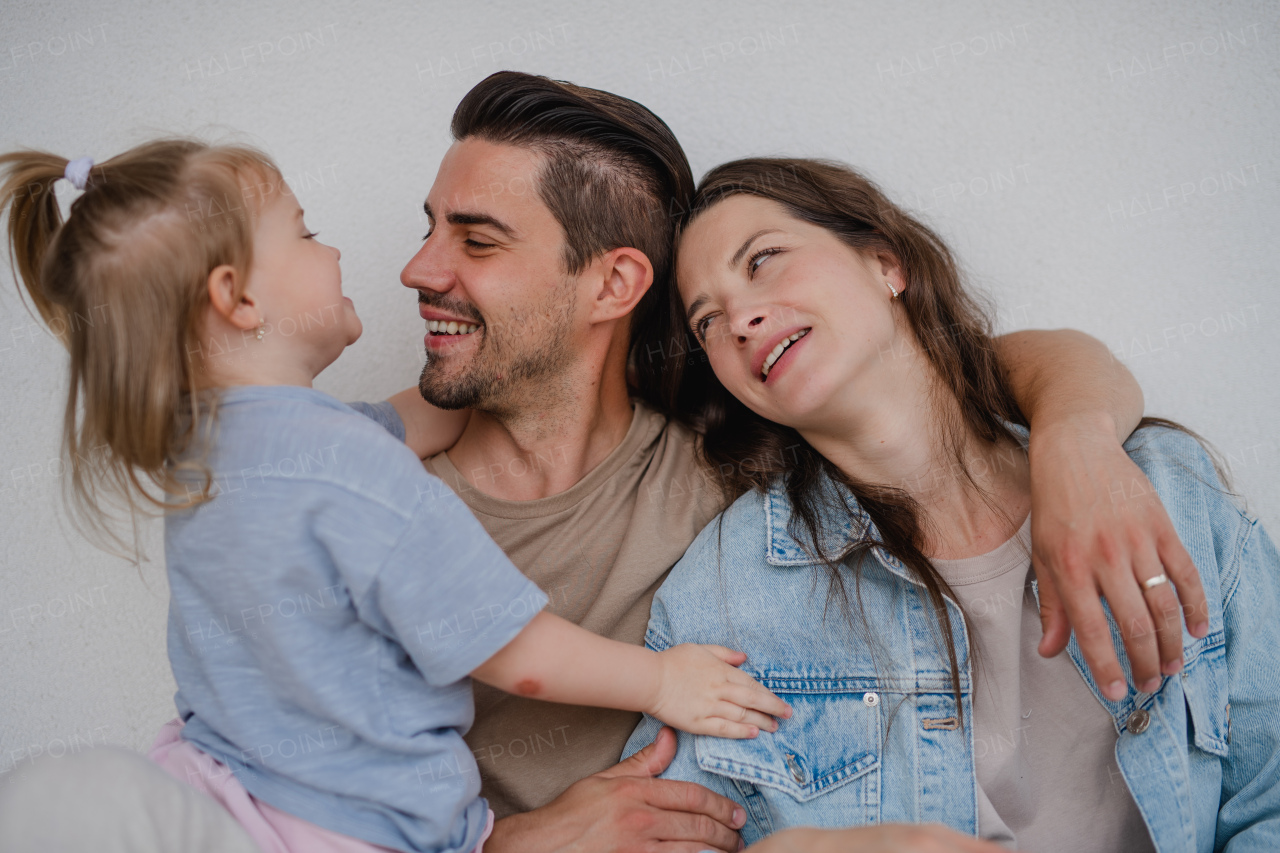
(737, 536)
(673, 470)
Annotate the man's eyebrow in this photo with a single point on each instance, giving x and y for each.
(463, 218)
(742, 250)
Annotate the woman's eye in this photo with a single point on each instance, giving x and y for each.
(757, 259)
(311, 235)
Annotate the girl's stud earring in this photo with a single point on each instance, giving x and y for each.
(892, 290)
(262, 328)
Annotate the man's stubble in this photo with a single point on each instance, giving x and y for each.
(521, 364)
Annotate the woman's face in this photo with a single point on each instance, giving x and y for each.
(794, 322)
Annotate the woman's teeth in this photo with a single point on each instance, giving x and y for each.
(440, 327)
(779, 350)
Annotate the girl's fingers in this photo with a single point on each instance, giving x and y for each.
(735, 713)
(755, 697)
(729, 656)
(720, 727)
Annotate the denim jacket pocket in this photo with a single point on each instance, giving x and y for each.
(1205, 688)
(824, 761)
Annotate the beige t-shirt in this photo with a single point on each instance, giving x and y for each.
(600, 551)
(1044, 747)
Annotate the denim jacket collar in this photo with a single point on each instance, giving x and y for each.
(842, 529)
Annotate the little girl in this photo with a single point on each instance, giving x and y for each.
(328, 597)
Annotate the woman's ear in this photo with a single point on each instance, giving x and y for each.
(238, 310)
(626, 275)
(890, 269)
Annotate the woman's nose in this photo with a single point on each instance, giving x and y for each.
(750, 326)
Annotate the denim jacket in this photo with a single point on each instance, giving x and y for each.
(873, 739)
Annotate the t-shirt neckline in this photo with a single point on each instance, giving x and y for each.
(1011, 554)
(645, 425)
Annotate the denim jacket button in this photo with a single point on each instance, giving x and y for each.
(871, 699)
(1138, 721)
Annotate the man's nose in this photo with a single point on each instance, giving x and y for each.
(427, 270)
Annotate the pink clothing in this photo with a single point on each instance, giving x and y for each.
(273, 830)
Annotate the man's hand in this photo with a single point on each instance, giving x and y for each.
(626, 810)
(1099, 529)
(701, 690)
(884, 838)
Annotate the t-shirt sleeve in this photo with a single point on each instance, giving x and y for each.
(384, 415)
(447, 593)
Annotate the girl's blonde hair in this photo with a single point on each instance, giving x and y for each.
(123, 284)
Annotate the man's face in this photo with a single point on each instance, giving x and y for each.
(501, 312)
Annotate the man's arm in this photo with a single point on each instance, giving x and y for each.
(1097, 527)
(427, 429)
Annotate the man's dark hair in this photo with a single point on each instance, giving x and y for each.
(614, 174)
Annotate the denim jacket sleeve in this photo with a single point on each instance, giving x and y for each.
(1249, 815)
(685, 763)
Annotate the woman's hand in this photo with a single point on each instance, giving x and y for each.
(701, 690)
(883, 838)
(1099, 529)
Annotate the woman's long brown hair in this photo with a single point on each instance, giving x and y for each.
(122, 283)
(951, 330)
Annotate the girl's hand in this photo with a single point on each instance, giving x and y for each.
(701, 691)
(427, 430)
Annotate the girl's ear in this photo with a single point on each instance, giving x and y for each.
(240, 311)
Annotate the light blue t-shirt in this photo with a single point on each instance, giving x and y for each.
(327, 606)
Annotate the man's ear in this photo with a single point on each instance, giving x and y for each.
(240, 311)
(626, 275)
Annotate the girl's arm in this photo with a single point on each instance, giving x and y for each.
(695, 688)
(427, 430)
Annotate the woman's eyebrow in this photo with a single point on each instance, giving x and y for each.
(696, 304)
(742, 250)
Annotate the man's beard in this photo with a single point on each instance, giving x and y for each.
(518, 361)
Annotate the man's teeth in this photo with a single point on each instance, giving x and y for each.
(779, 350)
(440, 327)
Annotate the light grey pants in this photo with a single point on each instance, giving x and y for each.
(111, 800)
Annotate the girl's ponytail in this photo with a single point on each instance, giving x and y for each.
(123, 284)
(34, 221)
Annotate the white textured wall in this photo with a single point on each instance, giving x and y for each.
(1108, 166)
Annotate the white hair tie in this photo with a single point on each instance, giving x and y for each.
(77, 171)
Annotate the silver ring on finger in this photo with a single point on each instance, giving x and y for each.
(1152, 583)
